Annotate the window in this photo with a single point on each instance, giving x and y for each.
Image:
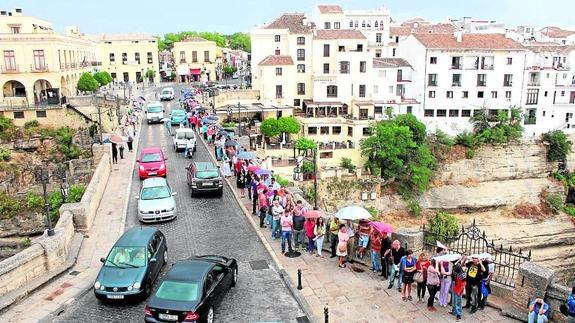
(456, 62)
(336, 25)
(326, 154)
(378, 109)
(456, 80)
(428, 113)
(366, 131)
(350, 131)
(327, 25)
(325, 50)
(39, 60)
(150, 58)
(393, 52)
(431, 94)
(312, 130)
(341, 49)
(562, 93)
(545, 93)
(508, 94)
(207, 56)
(362, 66)
(454, 113)
(277, 38)
(332, 91)
(441, 113)
(277, 52)
(113, 75)
(465, 94)
(432, 79)
(194, 56)
(449, 94)
(126, 76)
(508, 80)
(18, 114)
(336, 130)
(433, 60)
(279, 92)
(15, 29)
(375, 89)
(363, 24)
(351, 24)
(296, 102)
(137, 57)
(356, 24)
(466, 113)
(41, 114)
(301, 54)
(378, 37)
(301, 40)
(409, 109)
(9, 60)
(301, 88)
(112, 58)
(532, 96)
(494, 94)
(376, 24)
(362, 91)
(480, 94)
(509, 60)
(182, 57)
(278, 71)
(324, 130)
(481, 80)
(344, 67)
(325, 68)
(301, 68)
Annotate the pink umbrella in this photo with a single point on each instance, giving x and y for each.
(314, 214)
(382, 227)
(253, 168)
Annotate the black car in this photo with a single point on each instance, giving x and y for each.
(204, 177)
(191, 289)
(132, 265)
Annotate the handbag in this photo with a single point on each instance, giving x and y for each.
(418, 277)
(342, 247)
(563, 309)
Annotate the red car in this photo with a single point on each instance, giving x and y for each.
(152, 163)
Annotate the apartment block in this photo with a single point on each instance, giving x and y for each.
(195, 60)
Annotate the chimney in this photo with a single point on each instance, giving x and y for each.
(17, 12)
(458, 36)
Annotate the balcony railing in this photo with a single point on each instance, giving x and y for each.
(530, 120)
(481, 83)
(456, 66)
(9, 69)
(507, 84)
(182, 60)
(533, 83)
(487, 66)
(39, 69)
(432, 83)
(456, 84)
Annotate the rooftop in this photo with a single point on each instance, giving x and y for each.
(391, 62)
(545, 47)
(294, 22)
(416, 27)
(329, 9)
(119, 37)
(339, 34)
(556, 32)
(272, 60)
(468, 41)
(136, 237)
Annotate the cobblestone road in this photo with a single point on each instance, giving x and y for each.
(205, 225)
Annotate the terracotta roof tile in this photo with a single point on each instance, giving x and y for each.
(274, 60)
(294, 22)
(339, 34)
(390, 62)
(329, 9)
(556, 32)
(554, 48)
(469, 41)
(409, 28)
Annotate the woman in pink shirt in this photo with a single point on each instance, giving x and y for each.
(343, 237)
(286, 222)
(309, 225)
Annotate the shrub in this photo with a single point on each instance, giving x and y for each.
(7, 128)
(307, 167)
(55, 200)
(34, 202)
(555, 202)
(5, 154)
(26, 242)
(466, 139)
(75, 193)
(9, 207)
(443, 138)
(414, 207)
(444, 224)
(559, 146)
(87, 83)
(470, 153)
(229, 124)
(347, 164)
(282, 181)
(569, 209)
(31, 124)
(305, 144)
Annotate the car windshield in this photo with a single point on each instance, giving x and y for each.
(151, 158)
(185, 135)
(179, 291)
(178, 113)
(166, 92)
(207, 174)
(155, 109)
(126, 257)
(155, 193)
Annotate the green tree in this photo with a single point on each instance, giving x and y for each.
(87, 83)
(103, 78)
(289, 125)
(150, 74)
(228, 70)
(305, 144)
(417, 128)
(214, 36)
(270, 128)
(559, 146)
(240, 41)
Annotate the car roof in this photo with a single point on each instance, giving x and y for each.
(136, 237)
(204, 165)
(168, 88)
(178, 111)
(154, 104)
(154, 182)
(185, 130)
(151, 150)
(190, 270)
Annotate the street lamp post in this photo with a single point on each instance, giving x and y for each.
(240, 119)
(42, 175)
(143, 80)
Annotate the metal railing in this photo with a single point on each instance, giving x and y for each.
(39, 69)
(9, 69)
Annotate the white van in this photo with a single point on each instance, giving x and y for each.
(154, 112)
(181, 138)
(167, 94)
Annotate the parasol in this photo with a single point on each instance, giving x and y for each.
(448, 257)
(353, 212)
(231, 143)
(165, 119)
(246, 155)
(213, 117)
(116, 139)
(382, 227)
(261, 171)
(314, 214)
(253, 168)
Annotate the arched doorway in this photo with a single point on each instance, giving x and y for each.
(40, 89)
(14, 89)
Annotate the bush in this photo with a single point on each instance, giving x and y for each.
(229, 124)
(34, 202)
(288, 125)
(444, 139)
(26, 242)
(9, 207)
(7, 128)
(87, 83)
(305, 144)
(31, 124)
(103, 78)
(466, 139)
(347, 164)
(270, 128)
(5, 154)
(470, 153)
(64, 144)
(414, 207)
(569, 209)
(307, 167)
(55, 200)
(555, 202)
(282, 181)
(559, 146)
(75, 193)
(444, 224)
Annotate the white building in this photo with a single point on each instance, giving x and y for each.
(556, 35)
(458, 73)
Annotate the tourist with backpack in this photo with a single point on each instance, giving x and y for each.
(568, 309)
(459, 282)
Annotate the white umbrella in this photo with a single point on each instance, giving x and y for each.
(165, 119)
(353, 212)
(448, 257)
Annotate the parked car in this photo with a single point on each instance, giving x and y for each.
(181, 138)
(156, 201)
(154, 112)
(191, 289)
(132, 265)
(152, 163)
(204, 177)
(178, 116)
(167, 94)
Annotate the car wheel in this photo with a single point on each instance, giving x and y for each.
(220, 193)
(235, 277)
(194, 148)
(192, 193)
(165, 256)
(210, 315)
(147, 289)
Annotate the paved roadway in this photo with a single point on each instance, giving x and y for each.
(205, 225)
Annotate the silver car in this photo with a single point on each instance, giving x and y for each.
(156, 201)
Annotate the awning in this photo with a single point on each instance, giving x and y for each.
(195, 71)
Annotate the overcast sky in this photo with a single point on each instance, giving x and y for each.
(228, 16)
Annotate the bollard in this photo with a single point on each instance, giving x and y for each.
(299, 279)
(326, 314)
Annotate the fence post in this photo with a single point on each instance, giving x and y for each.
(326, 314)
(299, 286)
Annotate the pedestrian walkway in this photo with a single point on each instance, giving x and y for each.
(107, 227)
